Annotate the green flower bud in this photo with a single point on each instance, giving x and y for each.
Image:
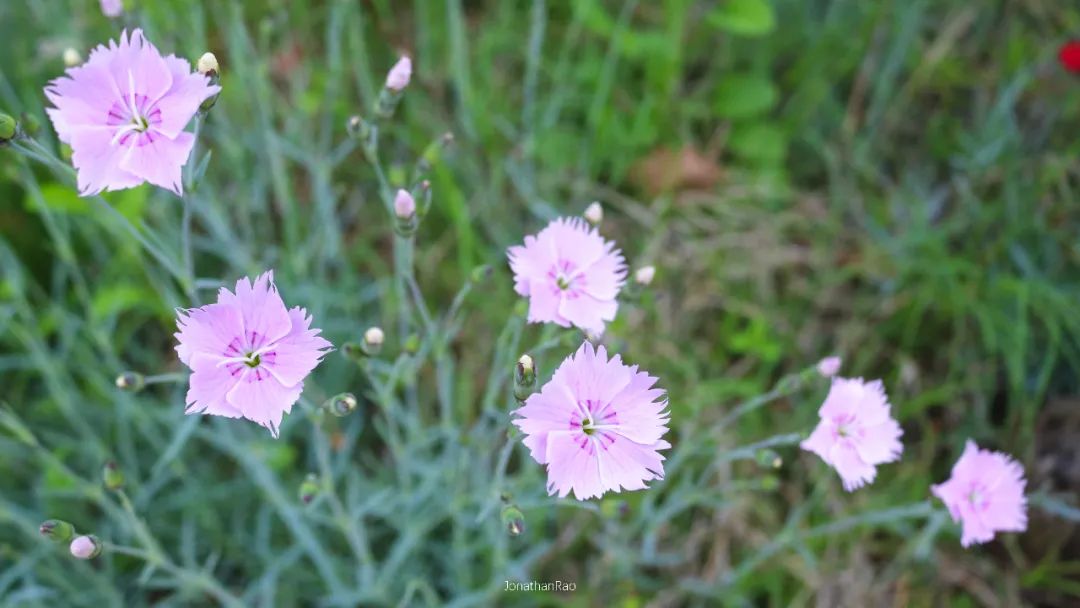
(340, 405)
(524, 377)
(113, 476)
(412, 344)
(358, 128)
(57, 530)
(130, 381)
(352, 350)
(8, 128)
(513, 519)
(769, 458)
(309, 489)
(481, 273)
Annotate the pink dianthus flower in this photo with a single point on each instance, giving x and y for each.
(985, 494)
(856, 432)
(597, 425)
(123, 113)
(248, 354)
(570, 274)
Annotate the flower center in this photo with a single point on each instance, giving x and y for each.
(562, 282)
(586, 426)
(139, 123)
(252, 359)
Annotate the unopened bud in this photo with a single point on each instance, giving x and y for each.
(358, 127)
(309, 488)
(594, 213)
(86, 547)
(8, 128)
(342, 404)
(112, 8)
(72, 57)
(353, 350)
(404, 205)
(112, 476)
(373, 341)
(399, 75)
(769, 458)
(208, 65)
(412, 344)
(524, 377)
(513, 519)
(57, 530)
(829, 366)
(644, 275)
(481, 273)
(30, 125)
(130, 381)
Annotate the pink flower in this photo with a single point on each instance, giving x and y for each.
(597, 425)
(829, 366)
(124, 111)
(248, 354)
(112, 8)
(856, 431)
(399, 75)
(570, 274)
(985, 493)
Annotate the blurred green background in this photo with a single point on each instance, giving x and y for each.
(892, 181)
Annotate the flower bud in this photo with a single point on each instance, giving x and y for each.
(353, 351)
(30, 125)
(309, 489)
(373, 341)
(358, 128)
(8, 128)
(112, 8)
(513, 519)
(481, 273)
(130, 381)
(594, 213)
(412, 344)
(85, 547)
(644, 275)
(72, 57)
(399, 75)
(829, 366)
(112, 476)
(769, 458)
(404, 205)
(341, 404)
(57, 530)
(524, 377)
(208, 65)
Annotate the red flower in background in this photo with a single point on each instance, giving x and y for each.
(1069, 56)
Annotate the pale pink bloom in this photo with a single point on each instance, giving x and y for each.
(856, 432)
(404, 205)
(985, 493)
(123, 113)
(399, 75)
(112, 8)
(829, 366)
(597, 425)
(249, 354)
(570, 274)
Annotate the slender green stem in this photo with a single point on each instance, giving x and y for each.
(198, 580)
(167, 378)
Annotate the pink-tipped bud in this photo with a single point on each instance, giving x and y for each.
(404, 205)
(594, 213)
(399, 75)
(85, 547)
(829, 366)
(112, 8)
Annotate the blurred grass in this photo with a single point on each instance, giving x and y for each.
(893, 181)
